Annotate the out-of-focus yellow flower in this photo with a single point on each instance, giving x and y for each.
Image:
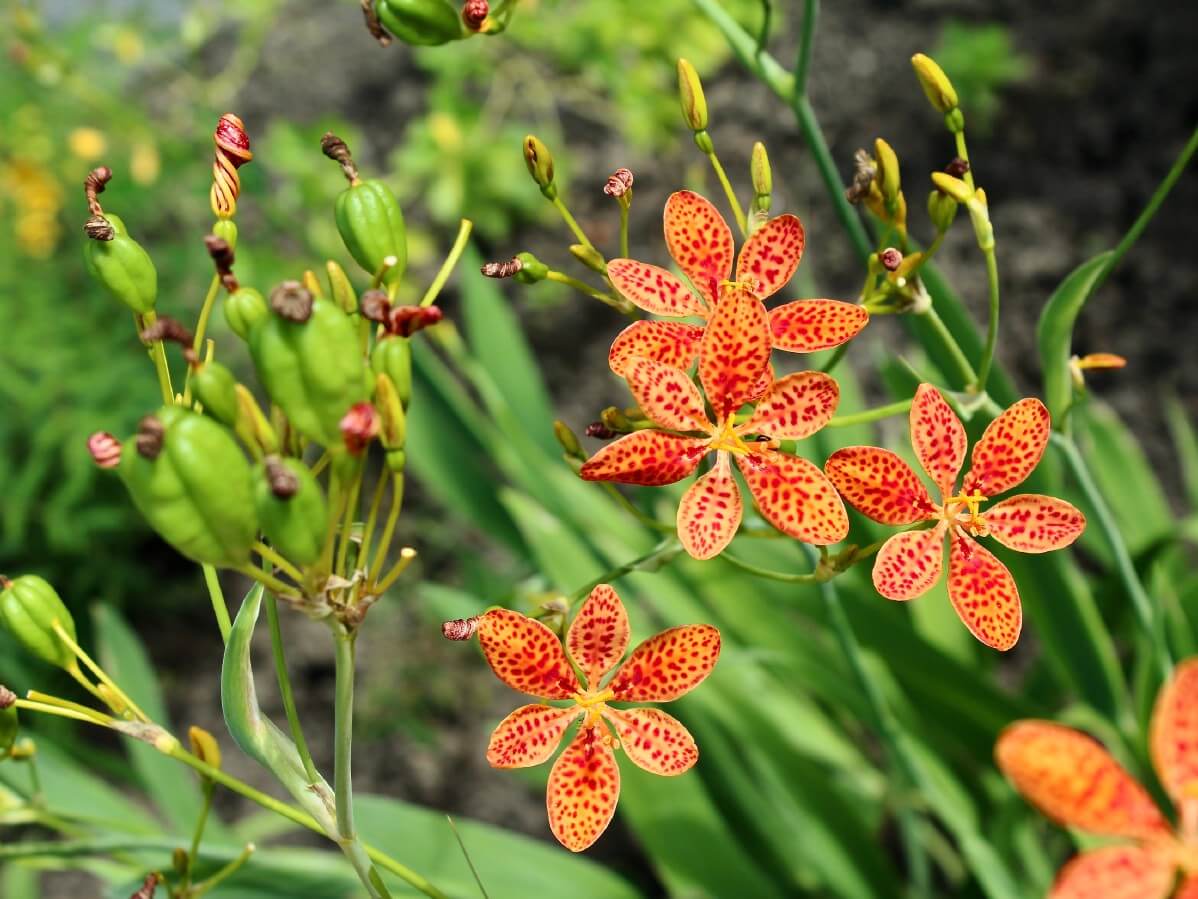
(128, 46)
(446, 132)
(144, 162)
(37, 198)
(87, 143)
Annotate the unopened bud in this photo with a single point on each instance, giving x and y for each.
(763, 179)
(343, 291)
(954, 121)
(204, 746)
(942, 209)
(532, 269)
(957, 167)
(589, 256)
(359, 426)
(312, 285)
(691, 97)
(618, 183)
(292, 301)
(393, 426)
(567, 439)
(540, 164)
(616, 420)
(180, 860)
(105, 449)
(939, 90)
(474, 13)
(952, 187)
(460, 628)
(252, 425)
(891, 259)
(889, 180)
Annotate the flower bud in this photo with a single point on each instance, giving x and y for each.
(216, 389)
(392, 356)
(589, 256)
(359, 426)
(942, 209)
(889, 180)
(540, 164)
(568, 439)
(531, 270)
(952, 187)
(244, 308)
(616, 420)
(619, 184)
(954, 121)
(9, 725)
(422, 23)
(252, 426)
(29, 608)
(474, 14)
(204, 746)
(292, 509)
(342, 290)
(762, 177)
(393, 426)
(690, 95)
(939, 90)
(407, 320)
(890, 258)
(311, 284)
(105, 449)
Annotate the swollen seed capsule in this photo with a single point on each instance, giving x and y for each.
(244, 308)
(421, 22)
(29, 606)
(123, 267)
(216, 389)
(291, 508)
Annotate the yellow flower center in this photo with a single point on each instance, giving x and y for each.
(593, 702)
(963, 510)
(728, 438)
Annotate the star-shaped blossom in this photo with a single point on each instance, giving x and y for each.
(792, 494)
(1074, 780)
(584, 783)
(700, 242)
(881, 486)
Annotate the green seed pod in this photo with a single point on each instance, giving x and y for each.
(425, 23)
(343, 291)
(123, 267)
(531, 270)
(191, 482)
(311, 367)
(8, 722)
(28, 609)
(291, 508)
(372, 228)
(392, 356)
(216, 389)
(226, 230)
(244, 308)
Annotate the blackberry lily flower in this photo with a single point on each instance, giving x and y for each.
(584, 784)
(792, 493)
(1073, 779)
(881, 486)
(701, 244)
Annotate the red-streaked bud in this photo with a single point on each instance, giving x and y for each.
(474, 13)
(105, 449)
(359, 426)
(232, 152)
(618, 183)
(460, 628)
(407, 320)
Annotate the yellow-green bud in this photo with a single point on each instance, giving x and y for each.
(889, 180)
(690, 95)
(204, 746)
(540, 164)
(393, 425)
(312, 284)
(942, 209)
(343, 291)
(953, 187)
(954, 121)
(589, 256)
(939, 90)
(568, 439)
(29, 608)
(763, 179)
(252, 426)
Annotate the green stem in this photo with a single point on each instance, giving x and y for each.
(447, 267)
(737, 212)
(992, 323)
(224, 873)
(857, 418)
(372, 518)
(624, 228)
(650, 561)
(157, 352)
(570, 221)
(347, 522)
(380, 556)
(837, 356)
(344, 736)
(273, 584)
(963, 152)
(406, 555)
(197, 343)
(617, 303)
(806, 42)
(964, 369)
(1141, 603)
(35, 781)
(219, 607)
(767, 573)
(198, 834)
(285, 690)
(272, 556)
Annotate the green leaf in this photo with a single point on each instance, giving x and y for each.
(1054, 332)
(1185, 442)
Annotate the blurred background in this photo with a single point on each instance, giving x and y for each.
(1074, 114)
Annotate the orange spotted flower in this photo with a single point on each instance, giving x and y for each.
(584, 783)
(1071, 778)
(700, 242)
(883, 487)
(734, 356)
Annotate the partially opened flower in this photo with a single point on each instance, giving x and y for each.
(584, 784)
(880, 485)
(700, 242)
(792, 493)
(1074, 780)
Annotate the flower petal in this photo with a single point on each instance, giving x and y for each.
(1031, 523)
(710, 512)
(879, 485)
(735, 352)
(648, 458)
(1174, 736)
(1071, 777)
(804, 326)
(655, 741)
(796, 497)
(909, 564)
(1010, 448)
(938, 437)
(700, 242)
(529, 735)
(1188, 889)
(674, 343)
(796, 406)
(771, 254)
(526, 655)
(584, 786)
(599, 635)
(666, 395)
(667, 665)
(653, 289)
(984, 593)
(1116, 872)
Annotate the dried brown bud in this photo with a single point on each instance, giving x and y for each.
(150, 436)
(99, 228)
(863, 177)
(282, 480)
(891, 259)
(167, 328)
(407, 320)
(375, 305)
(958, 167)
(460, 628)
(359, 426)
(474, 13)
(337, 150)
(599, 430)
(502, 269)
(149, 887)
(105, 449)
(618, 183)
(7, 697)
(222, 258)
(292, 300)
(373, 25)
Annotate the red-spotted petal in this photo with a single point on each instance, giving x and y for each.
(526, 655)
(805, 326)
(1116, 872)
(1011, 446)
(674, 343)
(667, 665)
(796, 497)
(1031, 523)
(909, 564)
(937, 436)
(666, 395)
(700, 242)
(598, 636)
(771, 254)
(710, 512)
(653, 289)
(647, 458)
(795, 407)
(1174, 737)
(984, 593)
(879, 485)
(735, 352)
(655, 741)
(529, 735)
(1071, 777)
(1188, 889)
(583, 789)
